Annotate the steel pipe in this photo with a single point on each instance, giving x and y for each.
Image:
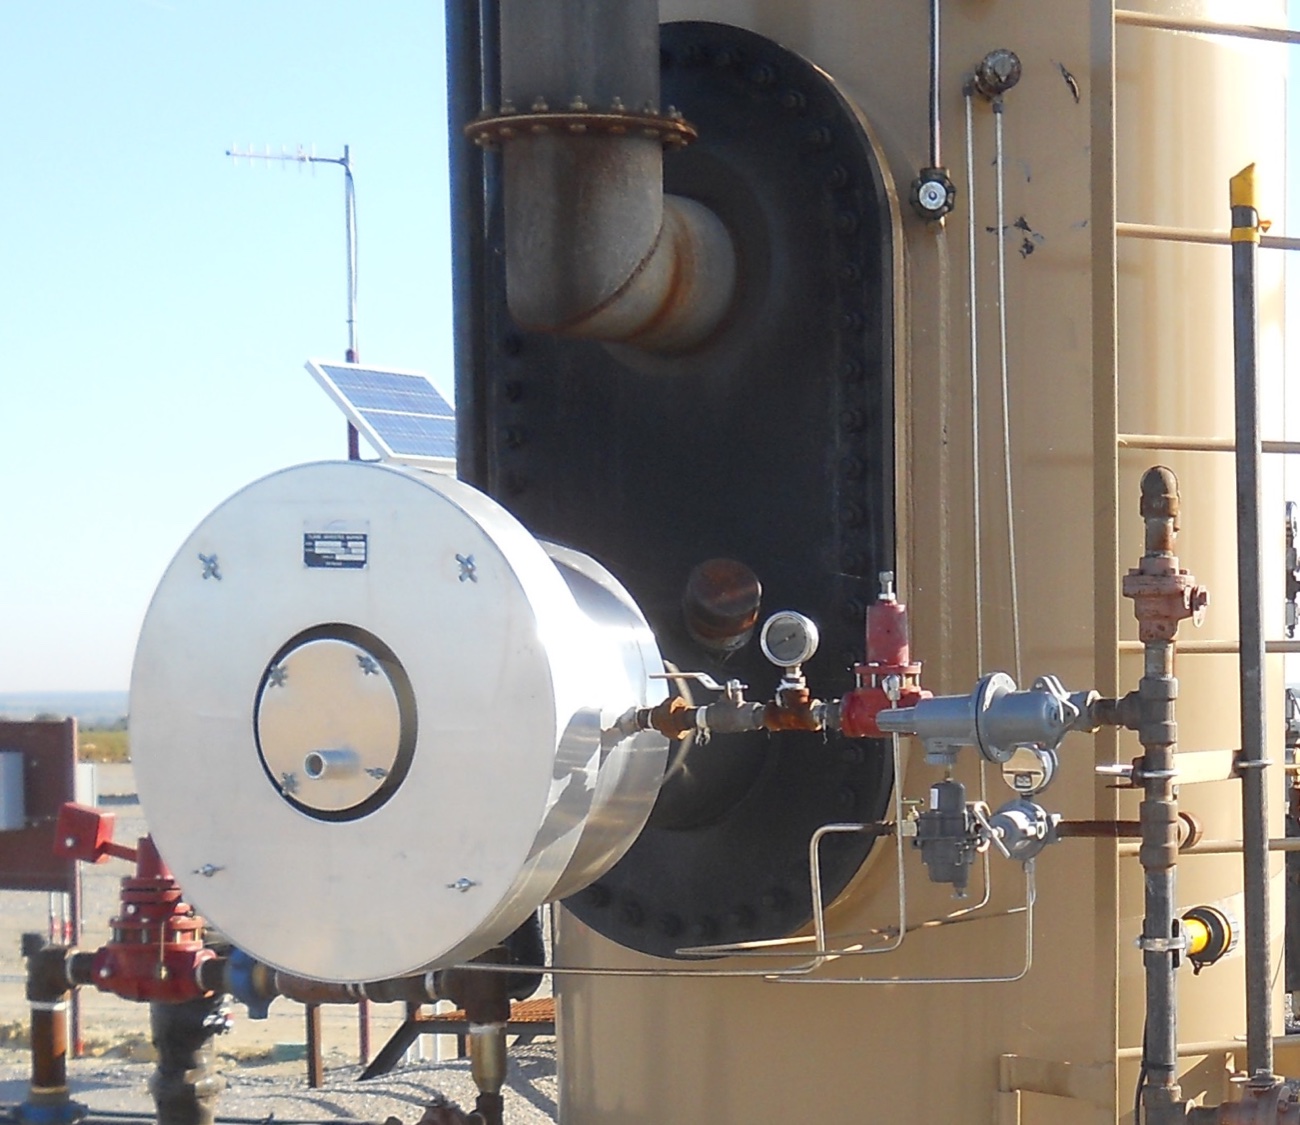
(1198, 444)
(1162, 22)
(1216, 648)
(1154, 232)
(471, 84)
(593, 246)
(1253, 762)
(1223, 847)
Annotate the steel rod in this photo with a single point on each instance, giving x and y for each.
(1156, 233)
(1218, 648)
(1180, 443)
(1222, 847)
(1005, 383)
(1253, 764)
(935, 140)
(977, 522)
(1206, 27)
(1207, 1047)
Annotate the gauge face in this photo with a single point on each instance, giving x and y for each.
(788, 639)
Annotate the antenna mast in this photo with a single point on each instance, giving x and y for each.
(308, 156)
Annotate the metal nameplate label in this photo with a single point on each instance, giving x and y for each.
(335, 550)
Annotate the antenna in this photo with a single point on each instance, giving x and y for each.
(303, 156)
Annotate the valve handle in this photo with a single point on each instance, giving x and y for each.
(84, 833)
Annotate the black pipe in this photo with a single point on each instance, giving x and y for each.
(471, 50)
(1252, 764)
(184, 1084)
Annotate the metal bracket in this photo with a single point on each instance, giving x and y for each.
(1175, 945)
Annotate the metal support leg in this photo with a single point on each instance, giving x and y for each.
(315, 1064)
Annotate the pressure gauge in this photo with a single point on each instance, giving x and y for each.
(788, 639)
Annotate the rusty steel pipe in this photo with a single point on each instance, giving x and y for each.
(1163, 595)
(47, 992)
(593, 246)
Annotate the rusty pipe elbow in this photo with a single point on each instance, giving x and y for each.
(1160, 507)
(593, 247)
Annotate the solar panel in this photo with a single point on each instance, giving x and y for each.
(401, 413)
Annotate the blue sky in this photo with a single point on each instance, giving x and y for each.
(157, 301)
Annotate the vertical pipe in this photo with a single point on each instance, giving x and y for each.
(47, 992)
(50, 1047)
(184, 1086)
(350, 226)
(1162, 595)
(1252, 764)
(363, 1032)
(488, 1062)
(315, 1064)
(1159, 821)
(471, 45)
(977, 523)
(74, 939)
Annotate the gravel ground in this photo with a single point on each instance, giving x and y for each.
(118, 1063)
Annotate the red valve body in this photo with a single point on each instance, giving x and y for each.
(888, 654)
(156, 948)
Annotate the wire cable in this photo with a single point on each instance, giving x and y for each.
(1006, 395)
(976, 516)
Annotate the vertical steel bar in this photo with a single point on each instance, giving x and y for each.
(472, 31)
(976, 486)
(998, 109)
(315, 1063)
(363, 1032)
(1252, 764)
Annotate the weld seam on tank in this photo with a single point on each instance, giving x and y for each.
(594, 248)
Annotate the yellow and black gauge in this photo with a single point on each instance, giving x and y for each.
(1210, 935)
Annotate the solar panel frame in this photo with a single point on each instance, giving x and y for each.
(382, 414)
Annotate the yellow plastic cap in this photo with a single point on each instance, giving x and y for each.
(1242, 188)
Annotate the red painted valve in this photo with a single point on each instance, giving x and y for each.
(156, 950)
(888, 672)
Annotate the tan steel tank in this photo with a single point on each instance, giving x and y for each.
(1110, 123)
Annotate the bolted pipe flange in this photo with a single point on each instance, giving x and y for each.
(490, 130)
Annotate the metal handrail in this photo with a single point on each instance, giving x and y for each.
(1125, 16)
(1157, 233)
